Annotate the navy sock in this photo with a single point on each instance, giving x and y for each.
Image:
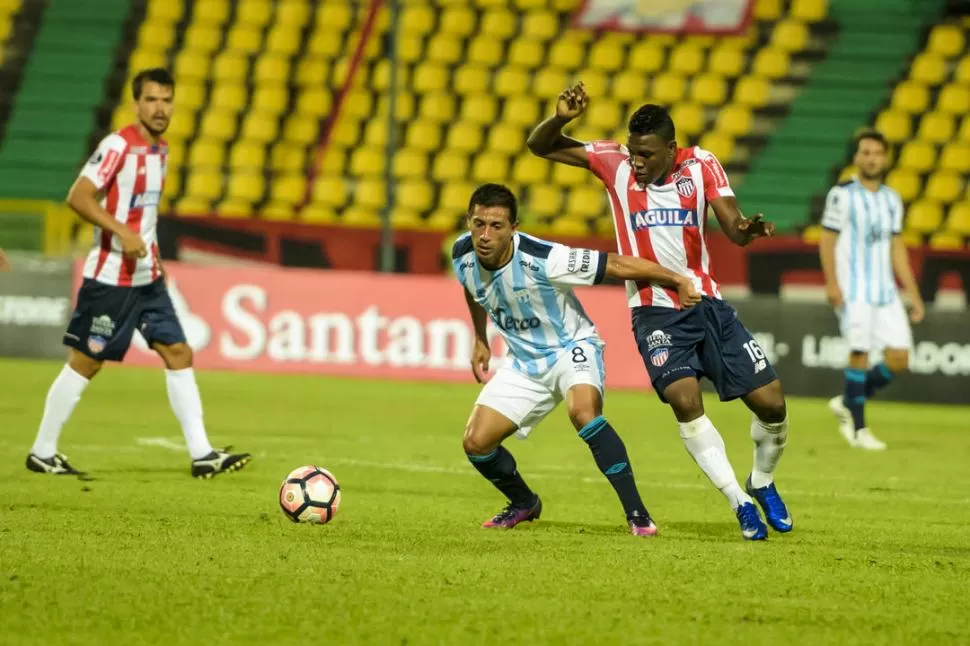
(877, 378)
(498, 467)
(611, 458)
(854, 397)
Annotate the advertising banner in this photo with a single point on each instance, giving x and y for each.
(682, 16)
(35, 303)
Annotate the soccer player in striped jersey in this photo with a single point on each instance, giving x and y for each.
(861, 250)
(118, 191)
(659, 194)
(524, 285)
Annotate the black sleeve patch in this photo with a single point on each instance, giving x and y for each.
(601, 268)
(534, 247)
(462, 246)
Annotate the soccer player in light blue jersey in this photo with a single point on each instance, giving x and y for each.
(861, 252)
(524, 285)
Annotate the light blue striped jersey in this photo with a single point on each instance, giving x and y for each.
(866, 222)
(530, 299)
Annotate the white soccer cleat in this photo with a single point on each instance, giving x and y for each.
(866, 440)
(846, 427)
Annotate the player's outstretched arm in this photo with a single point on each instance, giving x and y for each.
(481, 353)
(739, 229)
(904, 272)
(633, 268)
(548, 141)
(85, 199)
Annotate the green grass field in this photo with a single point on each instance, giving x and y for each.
(145, 554)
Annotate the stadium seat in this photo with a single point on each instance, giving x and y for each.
(946, 41)
(479, 108)
(249, 155)
(689, 118)
(415, 195)
(317, 214)
(498, 24)
(521, 110)
(254, 12)
(905, 182)
(458, 21)
(734, 120)
(540, 26)
(810, 11)
(455, 196)
(423, 135)
(511, 81)
(928, 68)
(244, 39)
(530, 170)
(668, 88)
(917, 156)
(371, 194)
(962, 72)
(566, 54)
(314, 103)
(686, 60)
(230, 67)
(768, 10)
(721, 145)
(586, 202)
(356, 216)
(911, 97)
(207, 153)
(790, 35)
(417, 19)
(483, 51)
(465, 136)
(603, 113)
(410, 163)
(944, 186)
(544, 200)
(328, 191)
(231, 208)
(366, 162)
(444, 49)
(954, 99)
(202, 39)
(936, 127)
(946, 241)
(708, 89)
(490, 167)
(205, 184)
(438, 107)
(647, 57)
(924, 216)
(727, 61)
(570, 175)
(290, 189)
(958, 219)
(527, 54)
(956, 158)
(752, 91)
(301, 130)
(229, 98)
(246, 187)
(506, 138)
(270, 98)
(569, 226)
(449, 165)
(895, 126)
(772, 63)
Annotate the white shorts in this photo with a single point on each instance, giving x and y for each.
(873, 328)
(527, 400)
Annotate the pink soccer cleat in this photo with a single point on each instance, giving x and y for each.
(515, 514)
(642, 526)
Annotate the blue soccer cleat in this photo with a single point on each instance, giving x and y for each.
(776, 513)
(752, 527)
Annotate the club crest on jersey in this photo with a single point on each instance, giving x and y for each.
(658, 339)
(685, 186)
(659, 356)
(521, 295)
(102, 326)
(96, 344)
(663, 218)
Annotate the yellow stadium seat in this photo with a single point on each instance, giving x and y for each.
(246, 187)
(603, 226)
(283, 40)
(190, 96)
(455, 196)
(727, 61)
(767, 10)
(809, 10)
(288, 189)
(415, 195)
(668, 88)
(356, 216)
(924, 216)
(911, 239)
(312, 72)
(182, 126)
(956, 158)
(301, 130)
(423, 135)
(521, 110)
(409, 162)
(345, 133)
(708, 89)
(449, 165)
(430, 77)
(227, 97)
(317, 214)
(524, 5)
(772, 63)
(334, 162)
(202, 39)
(539, 26)
(586, 202)
(570, 175)
(490, 167)
(606, 55)
(630, 87)
(936, 127)
(928, 68)
(294, 13)
(569, 226)
(686, 59)
(206, 184)
(498, 24)
(323, 44)
(720, 145)
(566, 54)
(945, 186)
(526, 53)
(946, 241)
(359, 104)
(212, 12)
(511, 81)
(752, 91)
(439, 107)
(381, 77)
(530, 170)
(153, 36)
(896, 126)
(417, 19)
(962, 73)
(544, 200)
(270, 98)
(479, 108)
(140, 59)
(905, 182)
(566, 6)
(688, 118)
(458, 21)
(260, 127)
(234, 208)
(549, 83)
(790, 35)
(603, 113)
(232, 67)
(443, 221)
(330, 191)
(734, 120)
(218, 125)
(647, 57)
(250, 155)
(207, 153)
(964, 134)
(254, 12)
(272, 69)
(176, 156)
(918, 156)
(166, 12)
(596, 81)
(470, 79)
(954, 99)
(745, 41)
(958, 219)
(277, 212)
(404, 106)
(406, 219)
(367, 163)
(947, 41)
(375, 133)
(191, 205)
(483, 51)
(465, 136)
(244, 39)
(911, 97)
(370, 193)
(506, 138)
(444, 48)
(811, 234)
(314, 102)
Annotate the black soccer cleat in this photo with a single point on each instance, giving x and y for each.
(219, 462)
(55, 465)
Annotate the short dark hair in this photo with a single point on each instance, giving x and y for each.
(872, 134)
(158, 75)
(652, 119)
(495, 195)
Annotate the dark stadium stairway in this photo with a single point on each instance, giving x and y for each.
(62, 84)
(875, 40)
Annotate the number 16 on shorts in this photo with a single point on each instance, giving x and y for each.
(756, 354)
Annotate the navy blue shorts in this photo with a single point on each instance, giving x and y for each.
(106, 317)
(706, 340)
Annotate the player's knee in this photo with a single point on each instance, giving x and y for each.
(177, 356)
(83, 364)
(474, 443)
(773, 411)
(897, 361)
(580, 416)
(686, 402)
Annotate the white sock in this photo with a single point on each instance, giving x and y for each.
(769, 444)
(705, 445)
(62, 397)
(183, 395)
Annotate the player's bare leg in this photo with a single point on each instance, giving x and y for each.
(861, 383)
(63, 396)
(484, 433)
(706, 446)
(769, 430)
(183, 395)
(584, 403)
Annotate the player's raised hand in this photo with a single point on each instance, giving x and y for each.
(572, 102)
(756, 227)
(132, 245)
(688, 294)
(481, 355)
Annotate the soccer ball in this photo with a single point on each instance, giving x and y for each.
(310, 495)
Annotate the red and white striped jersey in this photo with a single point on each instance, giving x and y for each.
(665, 223)
(131, 172)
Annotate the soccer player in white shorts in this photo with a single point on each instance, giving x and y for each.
(524, 285)
(861, 251)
